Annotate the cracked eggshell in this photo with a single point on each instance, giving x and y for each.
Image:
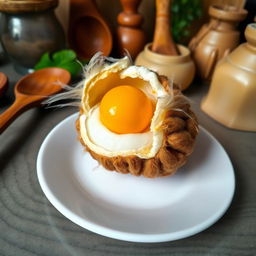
(119, 73)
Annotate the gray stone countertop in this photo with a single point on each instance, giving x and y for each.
(30, 225)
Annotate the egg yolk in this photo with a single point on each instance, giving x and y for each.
(126, 109)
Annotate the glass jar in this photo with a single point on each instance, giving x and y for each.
(26, 36)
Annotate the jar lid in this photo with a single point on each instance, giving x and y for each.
(250, 34)
(244, 56)
(228, 13)
(23, 6)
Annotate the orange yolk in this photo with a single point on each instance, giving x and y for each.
(126, 109)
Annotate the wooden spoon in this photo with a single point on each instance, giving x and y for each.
(163, 42)
(31, 90)
(88, 31)
(3, 83)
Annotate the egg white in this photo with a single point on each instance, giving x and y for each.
(110, 141)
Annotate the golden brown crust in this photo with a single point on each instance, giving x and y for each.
(180, 129)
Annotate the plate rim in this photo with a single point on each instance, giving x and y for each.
(122, 235)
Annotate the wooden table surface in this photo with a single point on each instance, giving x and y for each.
(30, 225)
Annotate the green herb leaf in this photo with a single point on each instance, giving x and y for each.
(184, 12)
(66, 59)
(73, 67)
(64, 56)
(44, 62)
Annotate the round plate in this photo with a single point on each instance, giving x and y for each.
(133, 208)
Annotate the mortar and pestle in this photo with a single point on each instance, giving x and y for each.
(88, 32)
(231, 99)
(162, 55)
(217, 38)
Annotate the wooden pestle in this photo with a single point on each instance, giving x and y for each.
(163, 42)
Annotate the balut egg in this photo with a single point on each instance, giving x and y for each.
(134, 121)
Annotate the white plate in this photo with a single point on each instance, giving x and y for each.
(135, 208)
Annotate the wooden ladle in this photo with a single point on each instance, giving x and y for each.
(3, 83)
(163, 42)
(31, 90)
(88, 32)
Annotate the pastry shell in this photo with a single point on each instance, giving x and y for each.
(180, 129)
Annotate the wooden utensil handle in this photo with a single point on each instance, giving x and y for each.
(163, 42)
(10, 115)
(130, 6)
(162, 8)
(130, 16)
(81, 8)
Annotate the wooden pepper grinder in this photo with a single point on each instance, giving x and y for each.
(163, 42)
(130, 35)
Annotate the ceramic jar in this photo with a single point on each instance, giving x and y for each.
(180, 69)
(26, 34)
(216, 39)
(231, 99)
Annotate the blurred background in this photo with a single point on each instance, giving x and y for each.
(111, 8)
